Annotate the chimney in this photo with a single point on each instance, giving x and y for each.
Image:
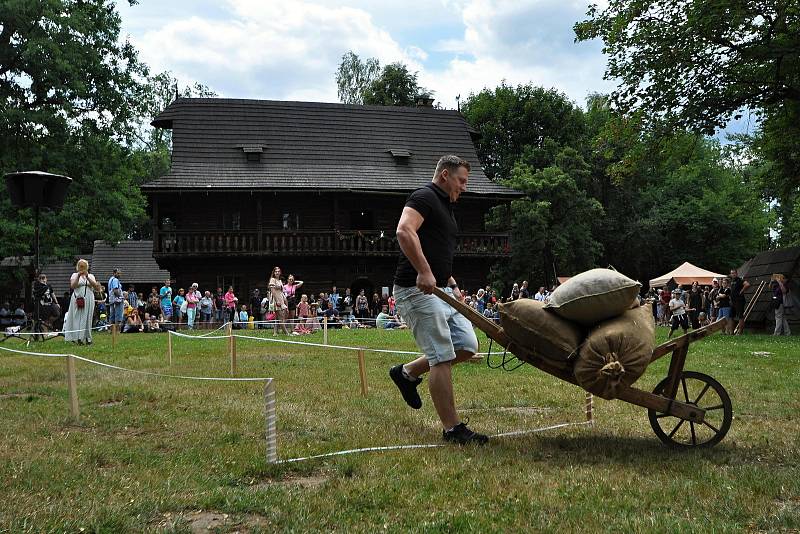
(424, 101)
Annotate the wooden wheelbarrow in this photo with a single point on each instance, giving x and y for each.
(686, 409)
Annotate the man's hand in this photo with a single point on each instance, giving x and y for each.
(426, 282)
(458, 295)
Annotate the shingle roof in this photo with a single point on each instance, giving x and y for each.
(785, 261)
(133, 258)
(309, 145)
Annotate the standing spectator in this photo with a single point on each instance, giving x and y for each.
(515, 291)
(724, 305)
(695, 299)
(782, 302)
(678, 310)
(480, 302)
(255, 306)
(242, 318)
(346, 303)
(177, 306)
(230, 305)
(524, 292)
(290, 290)
(303, 313)
(45, 300)
(5, 315)
(78, 326)
(362, 306)
(278, 301)
(713, 306)
(334, 297)
(166, 300)
(738, 287)
(116, 301)
(663, 307)
(206, 308)
(375, 305)
(219, 306)
(192, 300)
(540, 295)
(391, 303)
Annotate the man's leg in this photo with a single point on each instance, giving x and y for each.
(420, 366)
(440, 384)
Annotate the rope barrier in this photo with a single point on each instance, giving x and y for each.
(423, 446)
(54, 333)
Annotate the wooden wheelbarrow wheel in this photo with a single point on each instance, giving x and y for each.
(704, 392)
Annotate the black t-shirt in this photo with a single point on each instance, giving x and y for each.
(437, 236)
(737, 289)
(724, 297)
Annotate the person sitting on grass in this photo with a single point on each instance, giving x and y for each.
(332, 315)
(133, 323)
(679, 316)
(151, 323)
(386, 321)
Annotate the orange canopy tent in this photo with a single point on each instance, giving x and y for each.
(686, 274)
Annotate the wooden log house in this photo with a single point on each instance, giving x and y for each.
(315, 188)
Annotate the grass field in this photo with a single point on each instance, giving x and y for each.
(158, 454)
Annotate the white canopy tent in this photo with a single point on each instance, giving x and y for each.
(685, 274)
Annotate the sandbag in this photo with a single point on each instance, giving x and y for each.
(593, 296)
(616, 352)
(542, 333)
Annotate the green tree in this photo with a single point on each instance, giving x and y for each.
(354, 76)
(694, 65)
(523, 121)
(70, 94)
(396, 86)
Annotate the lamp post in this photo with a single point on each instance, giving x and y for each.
(37, 190)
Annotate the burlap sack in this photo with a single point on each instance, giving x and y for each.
(542, 333)
(616, 352)
(593, 296)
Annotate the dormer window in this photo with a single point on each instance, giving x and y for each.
(400, 155)
(252, 152)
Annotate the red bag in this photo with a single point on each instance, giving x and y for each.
(80, 302)
(271, 316)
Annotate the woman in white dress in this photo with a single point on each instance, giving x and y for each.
(78, 325)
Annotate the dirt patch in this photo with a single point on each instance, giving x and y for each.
(304, 482)
(204, 521)
(110, 403)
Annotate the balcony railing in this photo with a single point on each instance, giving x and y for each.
(294, 242)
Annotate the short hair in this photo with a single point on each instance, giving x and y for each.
(451, 163)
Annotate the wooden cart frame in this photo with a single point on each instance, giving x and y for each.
(682, 397)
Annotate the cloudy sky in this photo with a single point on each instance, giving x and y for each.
(289, 50)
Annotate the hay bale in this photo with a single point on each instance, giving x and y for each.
(593, 296)
(542, 333)
(616, 353)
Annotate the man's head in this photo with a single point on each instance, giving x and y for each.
(452, 173)
(167, 282)
(115, 272)
(734, 273)
(384, 308)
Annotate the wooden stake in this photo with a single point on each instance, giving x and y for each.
(113, 336)
(590, 408)
(72, 386)
(362, 371)
(169, 346)
(271, 431)
(325, 330)
(230, 335)
(233, 356)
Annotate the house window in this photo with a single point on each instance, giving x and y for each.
(231, 220)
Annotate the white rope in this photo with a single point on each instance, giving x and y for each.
(425, 446)
(54, 332)
(149, 373)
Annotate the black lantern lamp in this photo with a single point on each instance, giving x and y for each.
(37, 190)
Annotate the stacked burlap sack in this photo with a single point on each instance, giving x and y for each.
(593, 326)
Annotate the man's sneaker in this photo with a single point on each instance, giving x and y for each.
(462, 435)
(407, 388)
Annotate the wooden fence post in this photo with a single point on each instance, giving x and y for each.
(114, 329)
(325, 330)
(362, 371)
(169, 346)
(233, 356)
(72, 386)
(589, 408)
(269, 413)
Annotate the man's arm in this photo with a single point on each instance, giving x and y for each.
(407, 238)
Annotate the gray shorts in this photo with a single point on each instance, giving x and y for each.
(438, 328)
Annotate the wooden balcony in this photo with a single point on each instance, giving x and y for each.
(307, 242)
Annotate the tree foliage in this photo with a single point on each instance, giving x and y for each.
(694, 65)
(364, 82)
(354, 76)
